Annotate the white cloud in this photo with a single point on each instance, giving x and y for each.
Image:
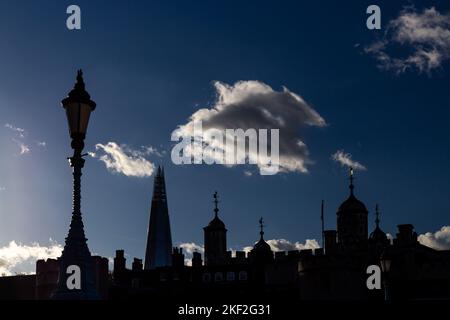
(191, 247)
(425, 35)
(124, 160)
(41, 144)
(24, 149)
(188, 249)
(2, 188)
(345, 160)
(19, 131)
(255, 105)
(439, 240)
(286, 245)
(18, 258)
(149, 150)
(248, 173)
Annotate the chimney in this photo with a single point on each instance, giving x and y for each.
(119, 261)
(137, 265)
(330, 241)
(177, 257)
(196, 259)
(405, 235)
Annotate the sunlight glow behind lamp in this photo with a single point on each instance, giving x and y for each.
(385, 263)
(78, 106)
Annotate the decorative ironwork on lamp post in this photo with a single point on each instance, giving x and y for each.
(78, 106)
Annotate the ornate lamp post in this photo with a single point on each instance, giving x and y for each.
(386, 261)
(75, 261)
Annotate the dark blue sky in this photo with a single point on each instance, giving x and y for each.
(149, 66)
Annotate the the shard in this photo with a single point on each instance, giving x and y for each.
(159, 240)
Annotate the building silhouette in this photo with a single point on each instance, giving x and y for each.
(338, 271)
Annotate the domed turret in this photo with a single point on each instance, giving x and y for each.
(215, 238)
(352, 219)
(261, 250)
(378, 236)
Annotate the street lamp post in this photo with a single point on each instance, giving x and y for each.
(76, 274)
(386, 261)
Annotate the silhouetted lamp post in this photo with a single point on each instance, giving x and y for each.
(386, 261)
(78, 106)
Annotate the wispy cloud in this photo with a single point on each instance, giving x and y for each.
(20, 137)
(439, 240)
(424, 35)
(122, 159)
(19, 258)
(345, 160)
(19, 131)
(255, 105)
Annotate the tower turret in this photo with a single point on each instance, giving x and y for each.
(352, 220)
(215, 238)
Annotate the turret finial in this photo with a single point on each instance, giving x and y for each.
(216, 202)
(261, 227)
(352, 187)
(377, 214)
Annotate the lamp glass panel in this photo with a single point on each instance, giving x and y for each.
(78, 117)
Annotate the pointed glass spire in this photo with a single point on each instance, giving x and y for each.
(159, 240)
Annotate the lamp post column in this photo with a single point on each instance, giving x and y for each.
(76, 273)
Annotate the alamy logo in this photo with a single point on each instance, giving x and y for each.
(374, 280)
(74, 280)
(228, 147)
(73, 22)
(374, 20)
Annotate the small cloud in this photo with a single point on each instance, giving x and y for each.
(188, 249)
(42, 144)
(19, 131)
(439, 240)
(425, 36)
(345, 160)
(191, 247)
(149, 150)
(24, 149)
(124, 160)
(248, 173)
(2, 188)
(19, 258)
